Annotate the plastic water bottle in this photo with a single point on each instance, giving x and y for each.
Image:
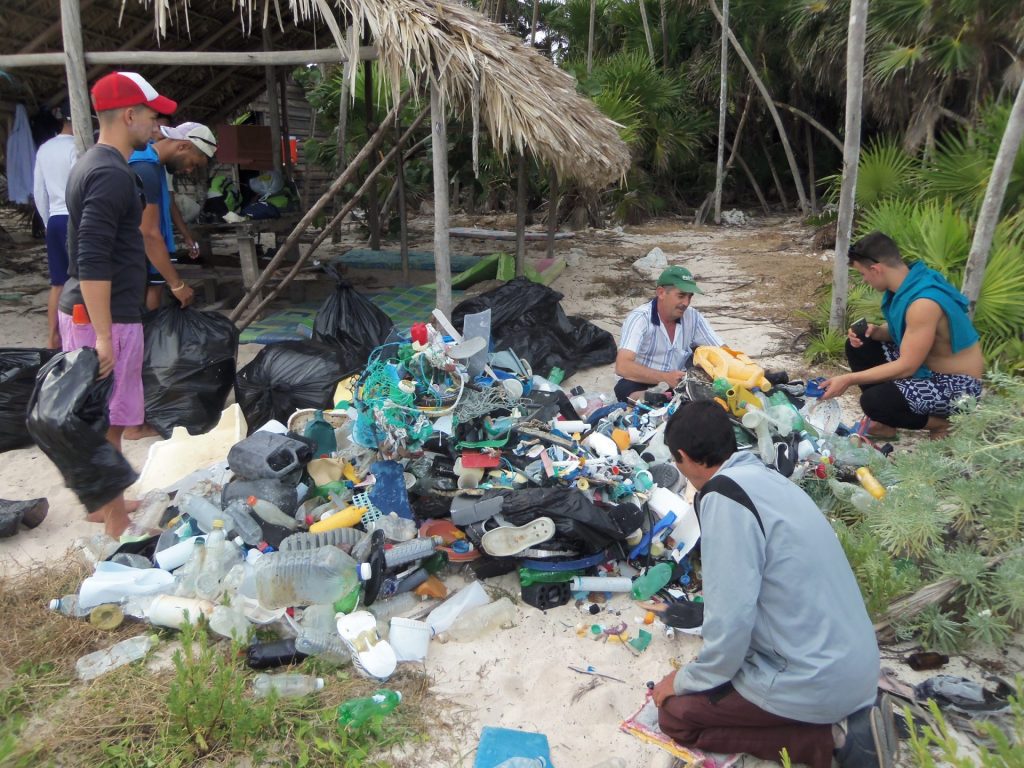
(323, 645)
(286, 685)
(285, 579)
(242, 521)
(92, 665)
(221, 556)
(657, 577)
(149, 514)
(203, 511)
(408, 551)
(231, 622)
(482, 620)
(68, 606)
(355, 713)
(188, 575)
(271, 513)
(342, 538)
(400, 604)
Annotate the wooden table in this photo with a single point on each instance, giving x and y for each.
(245, 234)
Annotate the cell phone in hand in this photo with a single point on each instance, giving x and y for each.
(860, 329)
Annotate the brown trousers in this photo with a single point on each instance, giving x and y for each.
(723, 721)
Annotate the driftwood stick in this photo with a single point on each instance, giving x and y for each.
(318, 206)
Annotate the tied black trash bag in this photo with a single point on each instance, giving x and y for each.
(188, 369)
(527, 318)
(349, 320)
(18, 369)
(288, 376)
(68, 419)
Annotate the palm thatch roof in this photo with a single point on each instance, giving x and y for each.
(525, 101)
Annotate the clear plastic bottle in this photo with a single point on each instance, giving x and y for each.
(188, 574)
(221, 556)
(92, 665)
(482, 620)
(68, 606)
(287, 685)
(201, 510)
(343, 538)
(95, 548)
(271, 513)
(240, 515)
(324, 645)
(149, 514)
(230, 621)
(285, 579)
(356, 713)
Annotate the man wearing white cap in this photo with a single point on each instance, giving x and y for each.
(101, 302)
(185, 148)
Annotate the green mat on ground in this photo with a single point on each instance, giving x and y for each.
(366, 258)
(404, 306)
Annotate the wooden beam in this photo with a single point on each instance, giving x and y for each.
(442, 242)
(213, 85)
(50, 32)
(191, 58)
(202, 45)
(74, 66)
(245, 98)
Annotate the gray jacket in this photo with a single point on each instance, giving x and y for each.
(784, 620)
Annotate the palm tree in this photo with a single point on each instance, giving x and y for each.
(851, 153)
(993, 203)
(722, 109)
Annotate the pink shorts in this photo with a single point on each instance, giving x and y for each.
(127, 405)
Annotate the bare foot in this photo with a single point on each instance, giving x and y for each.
(99, 516)
(140, 432)
(878, 430)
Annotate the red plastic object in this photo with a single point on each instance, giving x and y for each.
(419, 333)
(478, 460)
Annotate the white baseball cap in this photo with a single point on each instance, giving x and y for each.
(201, 136)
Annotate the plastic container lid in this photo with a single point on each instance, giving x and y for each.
(55, 604)
(365, 572)
(319, 684)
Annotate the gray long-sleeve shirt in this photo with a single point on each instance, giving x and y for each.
(784, 620)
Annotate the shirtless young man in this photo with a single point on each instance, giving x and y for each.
(913, 368)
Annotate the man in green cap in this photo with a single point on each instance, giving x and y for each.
(658, 338)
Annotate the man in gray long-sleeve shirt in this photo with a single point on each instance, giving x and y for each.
(790, 658)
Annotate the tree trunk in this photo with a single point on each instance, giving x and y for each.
(342, 130)
(793, 169)
(814, 124)
(750, 177)
(664, 38)
(403, 214)
(521, 186)
(590, 37)
(988, 218)
(552, 210)
(851, 156)
(372, 199)
(722, 110)
(775, 174)
(647, 29)
(439, 150)
(812, 183)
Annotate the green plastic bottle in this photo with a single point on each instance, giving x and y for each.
(356, 713)
(528, 576)
(657, 577)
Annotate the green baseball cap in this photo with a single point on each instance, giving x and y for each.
(679, 277)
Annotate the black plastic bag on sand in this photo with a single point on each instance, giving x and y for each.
(68, 419)
(188, 369)
(288, 376)
(527, 318)
(18, 369)
(579, 523)
(349, 320)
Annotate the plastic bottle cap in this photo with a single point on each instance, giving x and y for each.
(55, 604)
(365, 571)
(251, 501)
(218, 523)
(319, 684)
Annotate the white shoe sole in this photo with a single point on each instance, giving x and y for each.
(507, 541)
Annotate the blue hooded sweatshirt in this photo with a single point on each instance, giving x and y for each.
(925, 283)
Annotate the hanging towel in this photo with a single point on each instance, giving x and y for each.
(925, 283)
(21, 157)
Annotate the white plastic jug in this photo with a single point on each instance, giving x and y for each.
(112, 582)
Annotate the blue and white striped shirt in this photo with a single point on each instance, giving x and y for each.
(644, 334)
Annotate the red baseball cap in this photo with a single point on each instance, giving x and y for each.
(119, 90)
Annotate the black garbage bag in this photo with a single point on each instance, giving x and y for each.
(349, 320)
(18, 369)
(288, 376)
(68, 419)
(527, 317)
(579, 523)
(188, 368)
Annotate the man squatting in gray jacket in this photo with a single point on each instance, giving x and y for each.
(790, 658)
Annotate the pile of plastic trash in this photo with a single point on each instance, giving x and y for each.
(334, 532)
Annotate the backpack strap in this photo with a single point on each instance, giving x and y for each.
(729, 488)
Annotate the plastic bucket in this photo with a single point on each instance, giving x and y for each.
(409, 638)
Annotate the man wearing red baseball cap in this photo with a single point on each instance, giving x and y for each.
(107, 257)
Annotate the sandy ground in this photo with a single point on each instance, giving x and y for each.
(755, 279)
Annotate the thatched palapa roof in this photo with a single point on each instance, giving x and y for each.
(523, 98)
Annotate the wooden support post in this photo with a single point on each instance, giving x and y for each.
(723, 108)
(248, 259)
(74, 65)
(372, 200)
(553, 200)
(343, 100)
(521, 185)
(439, 149)
(282, 89)
(312, 213)
(273, 113)
(403, 222)
(303, 258)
